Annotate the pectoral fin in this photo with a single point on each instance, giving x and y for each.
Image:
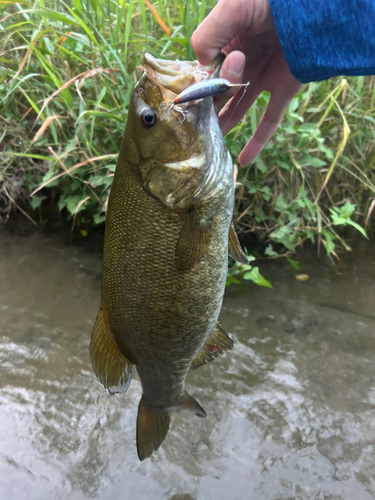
(218, 343)
(111, 367)
(234, 247)
(193, 241)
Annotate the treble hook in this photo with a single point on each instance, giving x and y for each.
(179, 110)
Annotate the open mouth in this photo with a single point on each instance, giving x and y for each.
(175, 76)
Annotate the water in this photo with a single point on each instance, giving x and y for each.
(291, 410)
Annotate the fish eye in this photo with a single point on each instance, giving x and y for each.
(148, 117)
(224, 87)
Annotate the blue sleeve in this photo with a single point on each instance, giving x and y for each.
(326, 38)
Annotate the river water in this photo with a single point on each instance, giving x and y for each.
(291, 409)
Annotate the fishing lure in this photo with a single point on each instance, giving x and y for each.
(206, 88)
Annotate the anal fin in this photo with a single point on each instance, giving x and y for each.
(111, 367)
(193, 241)
(191, 404)
(234, 246)
(216, 345)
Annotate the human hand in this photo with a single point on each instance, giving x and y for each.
(245, 31)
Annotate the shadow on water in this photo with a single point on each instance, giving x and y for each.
(291, 410)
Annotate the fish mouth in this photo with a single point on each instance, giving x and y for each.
(172, 77)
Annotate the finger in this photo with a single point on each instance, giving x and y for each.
(232, 70)
(237, 107)
(226, 20)
(267, 127)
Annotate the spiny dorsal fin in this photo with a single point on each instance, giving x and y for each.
(218, 343)
(234, 246)
(193, 241)
(152, 427)
(111, 367)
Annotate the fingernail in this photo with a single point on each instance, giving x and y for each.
(236, 67)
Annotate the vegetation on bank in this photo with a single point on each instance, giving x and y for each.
(67, 70)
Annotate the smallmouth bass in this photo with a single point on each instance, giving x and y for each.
(168, 225)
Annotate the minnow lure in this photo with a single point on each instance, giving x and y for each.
(206, 88)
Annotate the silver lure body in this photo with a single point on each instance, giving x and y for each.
(205, 88)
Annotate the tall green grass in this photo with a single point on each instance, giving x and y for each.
(67, 73)
(66, 76)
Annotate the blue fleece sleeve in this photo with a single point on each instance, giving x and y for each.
(325, 38)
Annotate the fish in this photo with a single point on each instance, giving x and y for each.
(168, 231)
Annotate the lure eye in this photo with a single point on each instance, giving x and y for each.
(224, 87)
(148, 117)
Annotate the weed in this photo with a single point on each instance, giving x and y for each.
(67, 73)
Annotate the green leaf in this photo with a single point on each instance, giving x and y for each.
(329, 237)
(285, 236)
(285, 165)
(298, 203)
(36, 201)
(99, 219)
(57, 16)
(346, 210)
(290, 130)
(281, 203)
(255, 276)
(293, 105)
(313, 162)
(266, 193)
(269, 251)
(338, 220)
(36, 157)
(295, 264)
(80, 38)
(231, 280)
(261, 166)
(328, 153)
(101, 180)
(72, 203)
(307, 127)
(358, 227)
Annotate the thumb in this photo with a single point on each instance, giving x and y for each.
(227, 20)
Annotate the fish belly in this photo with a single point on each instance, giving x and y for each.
(160, 317)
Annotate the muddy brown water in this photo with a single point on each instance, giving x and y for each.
(291, 410)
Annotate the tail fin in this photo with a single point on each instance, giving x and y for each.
(152, 427)
(153, 424)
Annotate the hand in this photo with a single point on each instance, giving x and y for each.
(245, 31)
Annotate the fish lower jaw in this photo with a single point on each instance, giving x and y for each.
(198, 162)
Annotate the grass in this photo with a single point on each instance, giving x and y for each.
(66, 76)
(320, 160)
